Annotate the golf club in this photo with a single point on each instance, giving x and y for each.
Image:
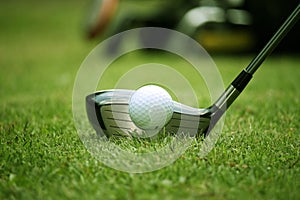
(107, 110)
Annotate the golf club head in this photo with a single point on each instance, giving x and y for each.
(108, 113)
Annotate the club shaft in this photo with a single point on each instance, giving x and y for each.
(274, 41)
(241, 81)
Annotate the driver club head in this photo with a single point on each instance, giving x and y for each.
(108, 113)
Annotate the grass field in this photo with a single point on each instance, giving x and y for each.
(41, 156)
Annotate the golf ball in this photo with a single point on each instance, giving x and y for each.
(150, 107)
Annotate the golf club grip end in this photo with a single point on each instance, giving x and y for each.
(241, 80)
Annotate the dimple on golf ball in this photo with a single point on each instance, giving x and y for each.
(150, 107)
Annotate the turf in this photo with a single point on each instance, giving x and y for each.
(256, 156)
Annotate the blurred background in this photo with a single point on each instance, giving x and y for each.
(219, 25)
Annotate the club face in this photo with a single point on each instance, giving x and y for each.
(107, 111)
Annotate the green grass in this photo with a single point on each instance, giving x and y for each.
(41, 156)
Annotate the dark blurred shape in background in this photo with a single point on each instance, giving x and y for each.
(219, 25)
(267, 16)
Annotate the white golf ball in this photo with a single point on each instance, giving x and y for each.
(150, 107)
